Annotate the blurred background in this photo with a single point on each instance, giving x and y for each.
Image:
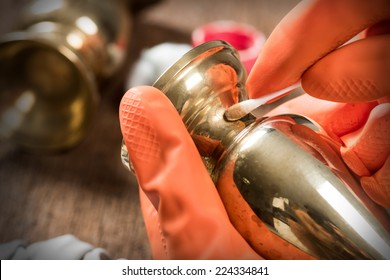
(85, 191)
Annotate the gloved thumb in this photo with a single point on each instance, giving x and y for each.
(189, 216)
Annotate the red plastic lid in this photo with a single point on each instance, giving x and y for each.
(245, 38)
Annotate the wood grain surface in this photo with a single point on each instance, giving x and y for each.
(86, 191)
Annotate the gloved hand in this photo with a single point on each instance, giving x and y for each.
(183, 212)
(307, 45)
(184, 216)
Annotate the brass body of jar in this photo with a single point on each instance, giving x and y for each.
(50, 67)
(280, 178)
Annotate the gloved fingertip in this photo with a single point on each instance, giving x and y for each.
(336, 118)
(353, 161)
(375, 191)
(370, 144)
(356, 72)
(136, 113)
(145, 113)
(145, 116)
(135, 124)
(378, 186)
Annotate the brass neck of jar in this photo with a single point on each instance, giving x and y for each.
(201, 85)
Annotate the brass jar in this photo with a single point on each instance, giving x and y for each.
(50, 66)
(280, 178)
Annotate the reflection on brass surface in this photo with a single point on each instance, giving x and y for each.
(282, 180)
(49, 69)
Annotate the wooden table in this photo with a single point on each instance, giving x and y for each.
(86, 191)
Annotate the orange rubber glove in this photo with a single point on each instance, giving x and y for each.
(182, 210)
(307, 45)
(184, 216)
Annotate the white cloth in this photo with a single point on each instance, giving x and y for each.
(64, 247)
(153, 62)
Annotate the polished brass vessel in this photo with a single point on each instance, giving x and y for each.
(50, 68)
(282, 173)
